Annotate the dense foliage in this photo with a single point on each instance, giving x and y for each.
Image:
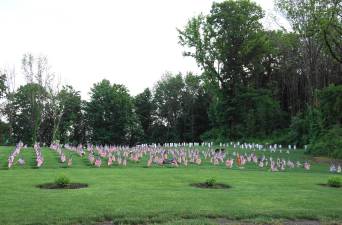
(109, 114)
(276, 86)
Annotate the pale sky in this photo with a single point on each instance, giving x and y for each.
(127, 42)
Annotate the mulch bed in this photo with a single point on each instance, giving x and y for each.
(215, 186)
(328, 186)
(67, 186)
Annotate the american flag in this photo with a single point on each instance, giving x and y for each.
(98, 162)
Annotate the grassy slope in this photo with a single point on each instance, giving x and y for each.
(139, 194)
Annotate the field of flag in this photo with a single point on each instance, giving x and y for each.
(152, 185)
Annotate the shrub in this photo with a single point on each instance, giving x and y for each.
(329, 144)
(62, 180)
(335, 182)
(210, 182)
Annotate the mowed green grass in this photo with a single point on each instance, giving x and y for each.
(140, 195)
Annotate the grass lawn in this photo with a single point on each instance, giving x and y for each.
(140, 195)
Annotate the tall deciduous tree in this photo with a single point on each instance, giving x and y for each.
(26, 114)
(319, 20)
(70, 127)
(168, 101)
(318, 26)
(109, 113)
(181, 109)
(145, 109)
(195, 103)
(228, 44)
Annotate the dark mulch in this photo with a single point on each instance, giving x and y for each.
(327, 185)
(68, 186)
(215, 186)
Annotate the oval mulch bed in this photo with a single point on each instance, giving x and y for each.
(215, 186)
(328, 186)
(68, 186)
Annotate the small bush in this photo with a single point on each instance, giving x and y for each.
(210, 182)
(62, 180)
(335, 182)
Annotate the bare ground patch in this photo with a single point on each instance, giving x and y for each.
(326, 160)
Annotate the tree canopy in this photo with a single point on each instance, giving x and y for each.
(254, 83)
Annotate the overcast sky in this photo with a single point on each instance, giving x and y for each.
(128, 42)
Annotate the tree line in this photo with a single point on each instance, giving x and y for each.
(256, 84)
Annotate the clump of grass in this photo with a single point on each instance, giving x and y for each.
(335, 182)
(210, 182)
(62, 180)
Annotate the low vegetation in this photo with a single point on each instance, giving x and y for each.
(335, 182)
